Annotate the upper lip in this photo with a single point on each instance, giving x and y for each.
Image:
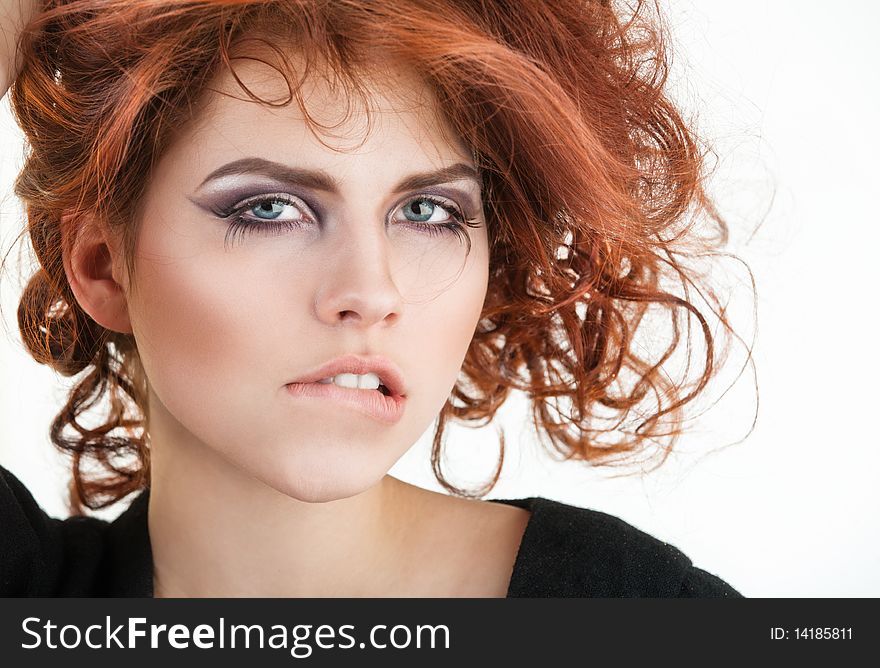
(389, 374)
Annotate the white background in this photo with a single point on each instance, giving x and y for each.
(787, 94)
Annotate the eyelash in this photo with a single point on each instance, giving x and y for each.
(240, 225)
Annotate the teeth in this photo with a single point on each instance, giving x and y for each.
(367, 381)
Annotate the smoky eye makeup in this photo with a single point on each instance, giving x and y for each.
(257, 202)
(464, 199)
(225, 201)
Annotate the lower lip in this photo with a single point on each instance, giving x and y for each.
(372, 403)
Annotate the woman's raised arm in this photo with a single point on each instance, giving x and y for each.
(14, 14)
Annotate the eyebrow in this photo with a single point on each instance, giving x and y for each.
(317, 179)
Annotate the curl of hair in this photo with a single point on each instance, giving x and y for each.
(590, 178)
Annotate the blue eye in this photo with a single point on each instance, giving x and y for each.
(270, 214)
(268, 210)
(279, 213)
(271, 208)
(428, 211)
(425, 209)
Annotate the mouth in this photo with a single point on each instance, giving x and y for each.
(370, 384)
(374, 403)
(353, 371)
(383, 389)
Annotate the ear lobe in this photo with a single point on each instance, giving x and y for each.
(88, 263)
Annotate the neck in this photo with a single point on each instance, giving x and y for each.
(216, 531)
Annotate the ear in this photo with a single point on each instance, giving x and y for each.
(93, 266)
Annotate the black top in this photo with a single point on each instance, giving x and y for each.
(565, 551)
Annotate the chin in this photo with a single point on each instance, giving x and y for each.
(321, 483)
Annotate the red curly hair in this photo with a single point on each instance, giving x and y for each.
(592, 186)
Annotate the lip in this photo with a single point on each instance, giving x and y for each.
(372, 403)
(387, 409)
(389, 373)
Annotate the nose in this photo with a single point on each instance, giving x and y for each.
(358, 287)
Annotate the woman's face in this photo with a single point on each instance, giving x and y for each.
(250, 272)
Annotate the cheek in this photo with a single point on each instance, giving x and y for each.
(448, 325)
(201, 329)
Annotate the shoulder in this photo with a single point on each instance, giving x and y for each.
(44, 556)
(571, 551)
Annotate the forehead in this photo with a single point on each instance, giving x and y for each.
(314, 113)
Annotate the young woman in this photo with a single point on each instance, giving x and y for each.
(277, 240)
